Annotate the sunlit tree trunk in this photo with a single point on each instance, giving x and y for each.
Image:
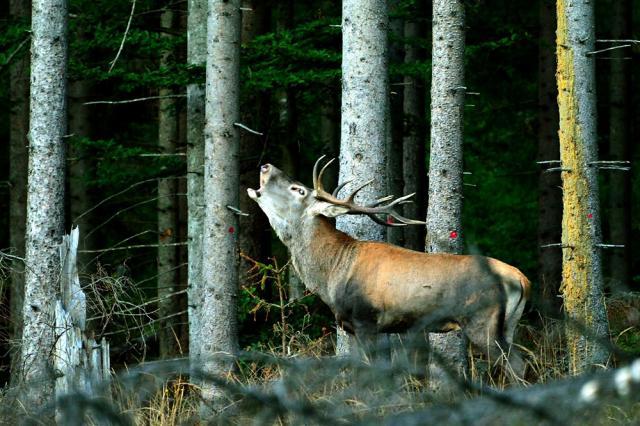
(221, 187)
(444, 211)
(549, 192)
(581, 262)
(167, 280)
(619, 137)
(196, 56)
(45, 198)
(365, 104)
(18, 163)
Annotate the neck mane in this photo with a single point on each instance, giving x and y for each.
(322, 255)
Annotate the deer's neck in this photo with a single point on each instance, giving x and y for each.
(322, 256)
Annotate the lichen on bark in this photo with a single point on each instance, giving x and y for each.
(581, 265)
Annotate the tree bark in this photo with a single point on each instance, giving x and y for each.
(550, 194)
(167, 214)
(365, 104)
(221, 185)
(581, 234)
(45, 198)
(619, 137)
(196, 56)
(444, 212)
(18, 163)
(413, 152)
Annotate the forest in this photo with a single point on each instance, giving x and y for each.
(319, 212)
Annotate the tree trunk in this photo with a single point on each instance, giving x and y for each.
(395, 235)
(221, 185)
(79, 164)
(167, 280)
(196, 56)
(619, 132)
(365, 104)
(18, 160)
(550, 194)
(413, 153)
(444, 212)
(254, 230)
(330, 135)
(581, 262)
(45, 198)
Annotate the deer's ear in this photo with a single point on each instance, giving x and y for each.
(327, 209)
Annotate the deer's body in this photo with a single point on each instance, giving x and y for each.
(374, 287)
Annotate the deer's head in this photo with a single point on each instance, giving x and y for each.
(287, 203)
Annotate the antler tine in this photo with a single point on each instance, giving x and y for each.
(407, 221)
(401, 200)
(378, 207)
(322, 171)
(339, 187)
(379, 201)
(351, 197)
(315, 173)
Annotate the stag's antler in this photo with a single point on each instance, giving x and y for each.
(371, 210)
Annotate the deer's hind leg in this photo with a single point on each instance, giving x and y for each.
(486, 331)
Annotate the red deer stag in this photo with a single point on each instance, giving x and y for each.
(374, 287)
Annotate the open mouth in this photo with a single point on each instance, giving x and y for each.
(257, 193)
(254, 193)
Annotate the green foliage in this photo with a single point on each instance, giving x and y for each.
(303, 56)
(117, 164)
(264, 301)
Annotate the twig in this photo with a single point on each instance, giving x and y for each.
(556, 245)
(610, 245)
(136, 246)
(124, 36)
(548, 162)
(558, 169)
(130, 101)
(11, 256)
(595, 52)
(147, 303)
(170, 154)
(619, 41)
(19, 48)
(237, 211)
(120, 193)
(610, 162)
(141, 326)
(242, 126)
(624, 169)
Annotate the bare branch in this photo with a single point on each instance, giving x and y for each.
(124, 36)
(135, 246)
(130, 101)
(243, 127)
(595, 52)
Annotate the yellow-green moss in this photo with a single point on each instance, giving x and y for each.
(578, 258)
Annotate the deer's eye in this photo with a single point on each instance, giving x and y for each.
(299, 190)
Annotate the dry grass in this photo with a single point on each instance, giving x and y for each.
(354, 391)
